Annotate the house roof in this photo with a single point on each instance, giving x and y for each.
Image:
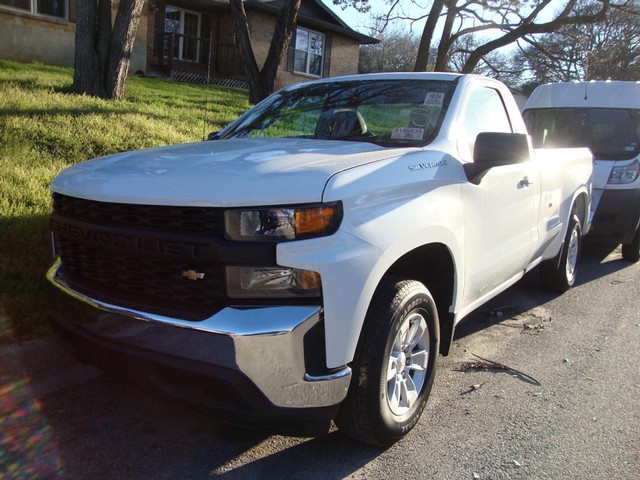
(312, 14)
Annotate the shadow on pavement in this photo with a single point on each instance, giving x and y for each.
(61, 419)
(300, 460)
(596, 261)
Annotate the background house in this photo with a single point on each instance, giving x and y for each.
(183, 38)
(44, 31)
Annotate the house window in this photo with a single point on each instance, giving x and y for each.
(186, 27)
(309, 52)
(51, 8)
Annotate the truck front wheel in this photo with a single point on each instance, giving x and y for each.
(631, 251)
(395, 364)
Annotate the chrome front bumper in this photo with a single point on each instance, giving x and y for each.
(265, 344)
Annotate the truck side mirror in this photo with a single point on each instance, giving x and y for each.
(494, 149)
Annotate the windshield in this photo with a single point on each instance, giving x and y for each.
(610, 133)
(385, 112)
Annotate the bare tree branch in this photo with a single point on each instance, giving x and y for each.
(529, 27)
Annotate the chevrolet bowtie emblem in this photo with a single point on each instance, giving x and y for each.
(192, 275)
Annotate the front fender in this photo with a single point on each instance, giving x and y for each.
(389, 211)
(351, 270)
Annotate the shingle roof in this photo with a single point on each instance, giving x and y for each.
(312, 14)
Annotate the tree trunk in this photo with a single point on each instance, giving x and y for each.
(445, 40)
(123, 36)
(87, 74)
(243, 37)
(285, 26)
(261, 81)
(103, 52)
(424, 50)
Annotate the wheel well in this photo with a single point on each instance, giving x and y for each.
(433, 266)
(580, 209)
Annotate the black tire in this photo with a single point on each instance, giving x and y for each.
(368, 413)
(631, 251)
(559, 273)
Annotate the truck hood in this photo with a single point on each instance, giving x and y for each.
(236, 172)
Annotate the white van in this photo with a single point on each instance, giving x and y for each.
(604, 116)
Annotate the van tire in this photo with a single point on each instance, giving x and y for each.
(631, 251)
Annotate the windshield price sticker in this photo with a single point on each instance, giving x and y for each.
(404, 133)
(433, 99)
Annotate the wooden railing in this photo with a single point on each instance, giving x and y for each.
(175, 51)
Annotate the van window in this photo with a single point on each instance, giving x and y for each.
(610, 133)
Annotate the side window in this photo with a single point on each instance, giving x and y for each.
(485, 112)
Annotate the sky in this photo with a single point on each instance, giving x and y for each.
(413, 8)
(359, 21)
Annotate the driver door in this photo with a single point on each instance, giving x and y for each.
(499, 211)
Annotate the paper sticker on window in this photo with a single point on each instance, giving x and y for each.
(403, 133)
(434, 99)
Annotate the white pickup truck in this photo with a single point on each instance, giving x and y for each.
(310, 261)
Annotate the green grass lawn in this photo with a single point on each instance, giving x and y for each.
(43, 129)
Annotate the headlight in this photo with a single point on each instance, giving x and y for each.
(282, 223)
(272, 282)
(627, 174)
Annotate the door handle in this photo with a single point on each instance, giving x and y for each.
(525, 182)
